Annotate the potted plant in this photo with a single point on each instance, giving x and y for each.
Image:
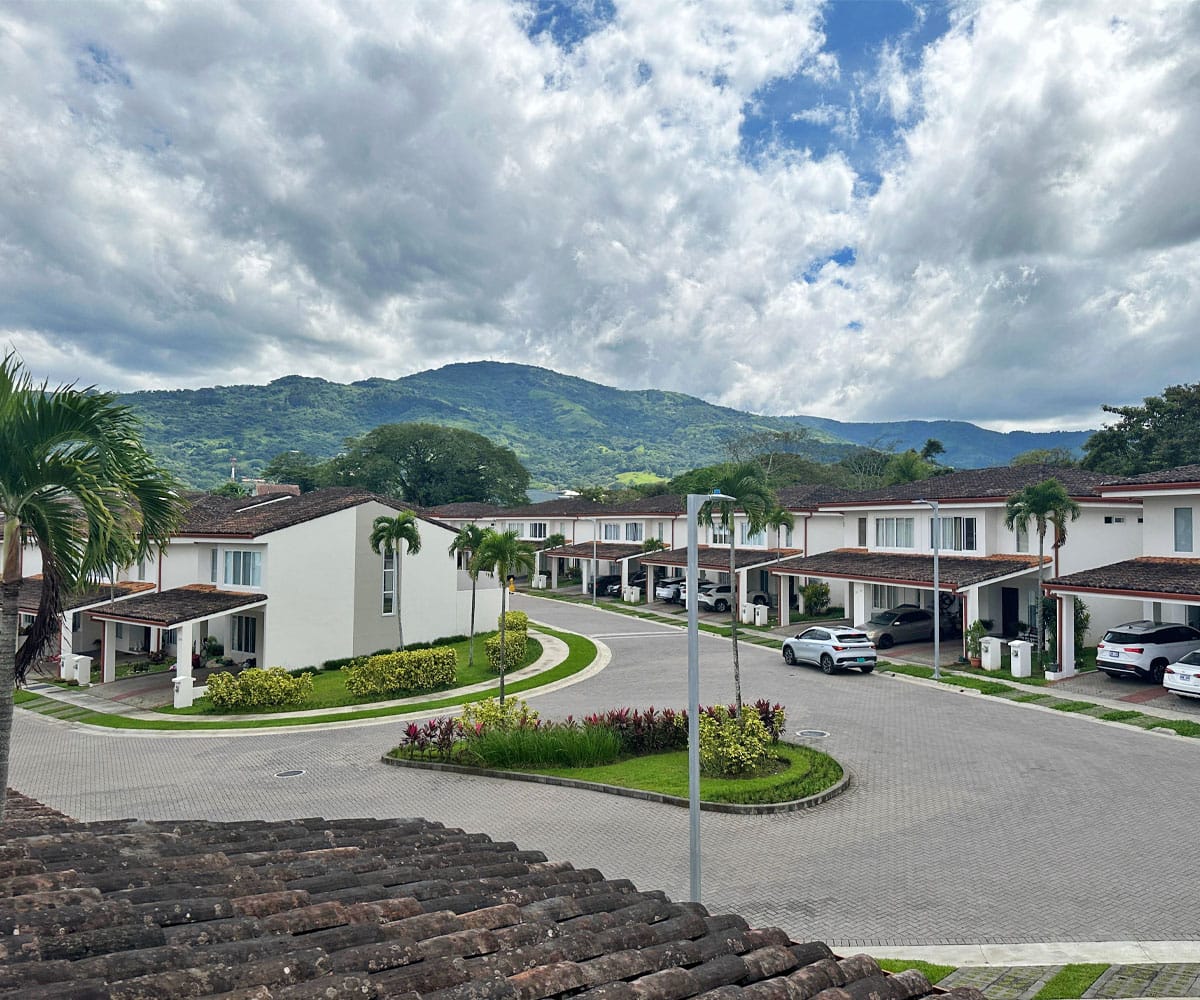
(975, 633)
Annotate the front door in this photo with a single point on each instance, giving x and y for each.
(1010, 610)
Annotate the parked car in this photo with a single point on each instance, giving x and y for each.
(718, 598)
(902, 624)
(832, 648)
(636, 580)
(1144, 648)
(1183, 676)
(601, 584)
(704, 585)
(668, 588)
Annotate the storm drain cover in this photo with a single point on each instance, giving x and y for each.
(288, 774)
(811, 734)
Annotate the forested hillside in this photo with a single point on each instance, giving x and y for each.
(566, 430)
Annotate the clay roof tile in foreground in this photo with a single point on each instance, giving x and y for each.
(368, 908)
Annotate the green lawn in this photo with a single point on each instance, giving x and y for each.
(934, 973)
(808, 772)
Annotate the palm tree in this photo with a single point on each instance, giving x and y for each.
(77, 482)
(1044, 504)
(505, 555)
(466, 543)
(392, 535)
(754, 497)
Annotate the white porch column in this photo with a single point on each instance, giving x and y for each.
(64, 646)
(742, 591)
(801, 583)
(585, 570)
(785, 599)
(183, 668)
(970, 603)
(858, 602)
(554, 574)
(1066, 638)
(108, 667)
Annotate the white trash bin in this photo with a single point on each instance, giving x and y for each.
(990, 652)
(1020, 655)
(747, 612)
(760, 614)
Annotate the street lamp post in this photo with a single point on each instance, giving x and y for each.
(937, 594)
(694, 502)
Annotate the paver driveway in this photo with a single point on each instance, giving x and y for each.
(969, 820)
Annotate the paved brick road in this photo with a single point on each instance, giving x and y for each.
(969, 820)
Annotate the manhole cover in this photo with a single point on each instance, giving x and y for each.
(811, 734)
(288, 774)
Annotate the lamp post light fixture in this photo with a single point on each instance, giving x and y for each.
(937, 594)
(694, 502)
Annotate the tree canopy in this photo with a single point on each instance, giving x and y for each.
(422, 464)
(1160, 434)
(1045, 456)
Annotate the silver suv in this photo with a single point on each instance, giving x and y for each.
(1144, 648)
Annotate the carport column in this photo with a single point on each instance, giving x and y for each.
(585, 570)
(785, 598)
(64, 647)
(970, 603)
(554, 574)
(742, 591)
(183, 668)
(108, 666)
(1066, 635)
(858, 602)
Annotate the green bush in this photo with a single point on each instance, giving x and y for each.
(516, 646)
(515, 621)
(816, 598)
(1083, 621)
(559, 745)
(488, 714)
(254, 688)
(402, 672)
(732, 747)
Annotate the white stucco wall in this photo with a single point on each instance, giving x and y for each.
(1159, 527)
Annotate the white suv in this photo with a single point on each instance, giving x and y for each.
(1144, 648)
(718, 598)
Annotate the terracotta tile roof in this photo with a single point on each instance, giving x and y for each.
(859, 564)
(369, 908)
(169, 608)
(612, 551)
(31, 594)
(715, 557)
(792, 497)
(459, 510)
(997, 483)
(249, 517)
(1145, 575)
(1181, 475)
(559, 507)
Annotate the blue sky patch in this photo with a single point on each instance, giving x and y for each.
(98, 66)
(843, 258)
(569, 22)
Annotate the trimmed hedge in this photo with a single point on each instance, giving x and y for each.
(403, 672)
(516, 646)
(515, 621)
(255, 688)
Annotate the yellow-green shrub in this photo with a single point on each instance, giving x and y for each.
(732, 747)
(489, 714)
(516, 645)
(515, 621)
(254, 688)
(403, 671)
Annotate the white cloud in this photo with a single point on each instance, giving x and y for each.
(200, 194)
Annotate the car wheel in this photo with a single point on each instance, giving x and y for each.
(827, 663)
(720, 606)
(1157, 672)
(866, 668)
(760, 599)
(885, 641)
(788, 656)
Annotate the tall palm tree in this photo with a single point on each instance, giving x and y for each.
(504, 554)
(76, 481)
(1045, 504)
(466, 543)
(393, 535)
(755, 498)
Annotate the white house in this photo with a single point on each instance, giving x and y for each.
(283, 580)
(1161, 582)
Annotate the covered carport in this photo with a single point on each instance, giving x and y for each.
(184, 609)
(590, 555)
(72, 640)
(715, 559)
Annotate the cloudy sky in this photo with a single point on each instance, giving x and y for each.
(857, 209)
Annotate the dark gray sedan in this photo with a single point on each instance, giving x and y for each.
(831, 648)
(904, 624)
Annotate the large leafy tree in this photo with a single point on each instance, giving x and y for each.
(747, 484)
(427, 465)
(1043, 505)
(395, 535)
(298, 468)
(76, 481)
(466, 544)
(1160, 434)
(503, 553)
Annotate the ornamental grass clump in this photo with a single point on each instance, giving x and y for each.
(644, 732)
(254, 688)
(558, 744)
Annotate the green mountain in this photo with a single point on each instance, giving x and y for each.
(565, 430)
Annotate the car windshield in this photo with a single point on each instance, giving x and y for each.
(1192, 659)
(1123, 637)
(883, 618)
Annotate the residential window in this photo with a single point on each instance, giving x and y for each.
(883, 597)
(612, 532)
(141, 569)
(745, 538)
(1183, 529)
(958, 534)
(170, 637)
(244, 633)
(633, 531)
(662, 534)
(389, 583)
(862, 532)
(519, 528)
(212, 575)
(1022, 538)
(1110, 519)
(537, 529)
(120, 630)
(720, 534)
(76, 621)
(785, 540)
(243, 568)
(894, 532)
